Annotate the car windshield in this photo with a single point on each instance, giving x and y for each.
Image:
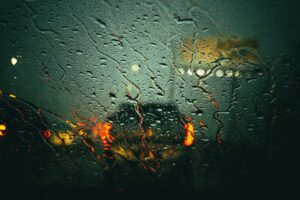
(147, 97)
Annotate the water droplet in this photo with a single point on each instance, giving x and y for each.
(90, 73)
(200, 72)
(163, 65)
(135, 67)
(229, 73)
(101, 23)
(112, 96)
(181, 71)
(237, 74)
(219, 73)
(189, 72)
(79, 52)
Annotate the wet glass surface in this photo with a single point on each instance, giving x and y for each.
(152, 96)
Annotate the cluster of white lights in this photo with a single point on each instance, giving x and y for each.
(217, 73)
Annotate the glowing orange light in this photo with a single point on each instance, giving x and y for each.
(47, 134)
(189, 134)
(2, 129)
(102, 130)
(151, 155)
